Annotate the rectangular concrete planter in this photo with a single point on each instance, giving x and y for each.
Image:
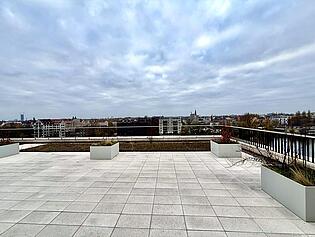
(104, 152)
(298, 198)
(226, 150)
(9, 150)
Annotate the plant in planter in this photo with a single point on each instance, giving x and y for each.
(289, 180)
(292, 183)
(105, 150)
(4, 141)
(105, 143)
(8, 148)
(226, 134)
(225, 147)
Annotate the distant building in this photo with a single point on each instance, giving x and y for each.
(103, 124)
(311, 131)
(281, 119)
(61, 128)
(49, 129)
(194, 117)
(170, 125)
(22, 118)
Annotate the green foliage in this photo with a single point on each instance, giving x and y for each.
(249, 121)
(301, 119)
(269, 124)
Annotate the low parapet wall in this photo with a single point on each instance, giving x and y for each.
(120, 139)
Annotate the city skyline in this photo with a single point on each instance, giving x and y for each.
(136, 58)
(71, 117)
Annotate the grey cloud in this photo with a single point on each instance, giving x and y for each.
(116, 58)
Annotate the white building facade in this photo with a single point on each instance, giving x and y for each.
(49, 130)
(170, 125)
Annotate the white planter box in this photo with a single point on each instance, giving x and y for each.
(104, 152)
(9, 150)
(226, 150)
(298, 198)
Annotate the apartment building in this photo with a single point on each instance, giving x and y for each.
(170, 125)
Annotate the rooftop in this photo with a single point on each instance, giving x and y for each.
(138, 194)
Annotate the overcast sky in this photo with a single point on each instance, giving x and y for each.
(97, 58)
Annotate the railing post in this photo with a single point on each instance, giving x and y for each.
(313, 141)
(291, 143)
(308, 149)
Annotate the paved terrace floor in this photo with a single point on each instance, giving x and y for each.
(138, 194)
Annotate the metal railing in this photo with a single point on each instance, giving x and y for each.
(103, 131)
(289, 144)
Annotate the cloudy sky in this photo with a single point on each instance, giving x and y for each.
(100, 58)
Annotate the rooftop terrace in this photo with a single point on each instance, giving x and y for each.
(138, 194)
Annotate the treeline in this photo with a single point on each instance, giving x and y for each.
(255, 121)
(298, 120)
(303, 119)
